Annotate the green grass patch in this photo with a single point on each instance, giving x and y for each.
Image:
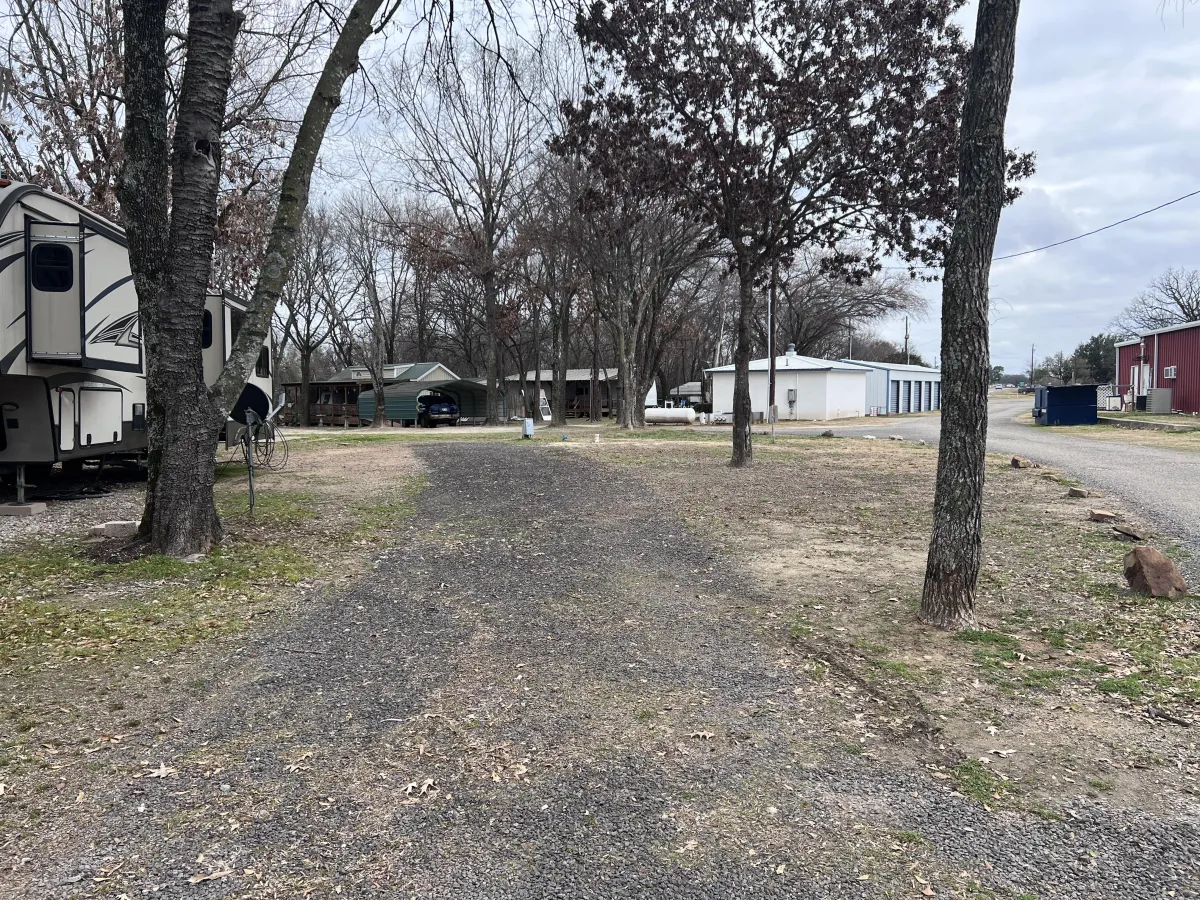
(1043, 678)
(1055, 637)
(56, 601)
(276, 508)
(1129, 686)
(975, 781)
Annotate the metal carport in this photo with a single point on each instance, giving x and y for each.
(400, 400)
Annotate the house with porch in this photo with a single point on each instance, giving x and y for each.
(334, 400)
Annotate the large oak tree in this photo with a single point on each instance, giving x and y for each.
(819, 124)
(168, 193)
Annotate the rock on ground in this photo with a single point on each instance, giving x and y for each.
(1151, 573)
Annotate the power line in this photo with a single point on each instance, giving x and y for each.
(1077, 237)
(1098, 230)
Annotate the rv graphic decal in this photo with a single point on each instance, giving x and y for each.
(124, 332)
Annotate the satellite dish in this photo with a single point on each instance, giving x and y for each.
(252, 397)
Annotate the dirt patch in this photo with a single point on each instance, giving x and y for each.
(1059, 692)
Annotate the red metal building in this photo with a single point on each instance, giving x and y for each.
(1165, 358)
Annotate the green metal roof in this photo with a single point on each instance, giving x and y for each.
(400, 400)
(419, 370)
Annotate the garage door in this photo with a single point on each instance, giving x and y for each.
(906, 403)
(894, 397)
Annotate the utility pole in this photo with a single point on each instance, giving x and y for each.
(771, 347)
(850, 338)
(1032, 367)
(907, 355)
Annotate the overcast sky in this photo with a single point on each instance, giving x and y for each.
(1107, 92)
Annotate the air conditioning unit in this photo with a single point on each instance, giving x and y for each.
(1169, 372)
(1158, 400)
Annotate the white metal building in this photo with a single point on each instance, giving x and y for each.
(805, 388)
(895, 388)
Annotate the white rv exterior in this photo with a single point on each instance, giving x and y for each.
(72, 377)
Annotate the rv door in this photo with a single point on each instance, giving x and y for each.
(53, 286)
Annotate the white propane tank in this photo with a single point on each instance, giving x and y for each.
(681, 416)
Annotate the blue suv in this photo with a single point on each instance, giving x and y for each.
(435, 409)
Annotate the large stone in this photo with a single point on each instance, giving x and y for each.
(22, 509)
(1079, 492)
(1019, 462)
(1102, 515)
(1128, 533)
(119, 529)
(1149, 572)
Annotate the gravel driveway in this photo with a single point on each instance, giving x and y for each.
(553, 690)
(1163, 486)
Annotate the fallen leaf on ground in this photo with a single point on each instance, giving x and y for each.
(211, 876)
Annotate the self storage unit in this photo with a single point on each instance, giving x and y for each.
(805, 388)
(896, 388)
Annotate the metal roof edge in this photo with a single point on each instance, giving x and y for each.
(1182, 327)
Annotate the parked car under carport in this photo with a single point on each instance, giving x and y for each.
(406, 403)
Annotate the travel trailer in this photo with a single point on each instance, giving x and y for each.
(72, 382)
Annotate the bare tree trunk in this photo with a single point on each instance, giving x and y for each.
(743, 451)
(955, 550)
(375, 367)
(170, 228)
(626, 369)
(305, 385)
(491, 349)
(171, 257)
(595, 406)
(341, 63)
(562, 348)
(537, 362)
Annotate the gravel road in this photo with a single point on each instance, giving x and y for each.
(553, 690)
(1162, 486)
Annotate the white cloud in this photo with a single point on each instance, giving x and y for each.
(1106, 92)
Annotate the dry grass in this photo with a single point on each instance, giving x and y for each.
(1188, 441)
(1066, 666)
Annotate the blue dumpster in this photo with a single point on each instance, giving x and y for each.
(1068, 404)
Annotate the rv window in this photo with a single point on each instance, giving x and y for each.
(52, 267)
(206, 333)
(235, 324)
(263, 368)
